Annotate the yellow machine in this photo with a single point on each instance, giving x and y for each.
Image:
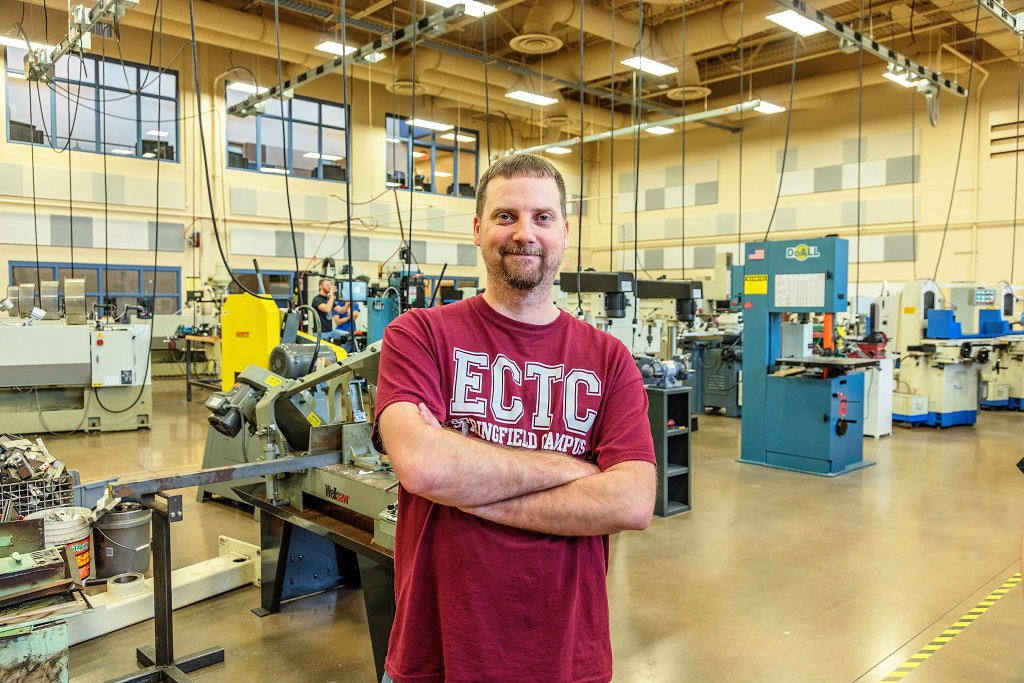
(250, 328)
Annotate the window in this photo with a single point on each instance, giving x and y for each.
(310, 144)
(442, 161)
(94, 105)
(120, 285)
(276, 283)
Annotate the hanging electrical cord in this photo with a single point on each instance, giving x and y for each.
(411, 178)
(611, 146)
(1016, 159)
(913, 173)
(206, 160)
(348, 185)
(739, 189)
(487, 100)
(638, 91)
(106, 202)
(35, 210)
(288, 164)
(682, 157)
(785, 144)
(860, 154)
(156, 242)
(960, 150)
(579, 206)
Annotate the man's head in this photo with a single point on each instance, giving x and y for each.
(519, 166)
(521, 227)
(325, 286)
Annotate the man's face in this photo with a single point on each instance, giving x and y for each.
(325, 287)
(522, 234)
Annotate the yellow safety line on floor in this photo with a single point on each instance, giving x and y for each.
(931, 648)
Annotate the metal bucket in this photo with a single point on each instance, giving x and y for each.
(122, 541)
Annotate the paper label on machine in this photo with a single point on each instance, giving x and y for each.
(800, 290)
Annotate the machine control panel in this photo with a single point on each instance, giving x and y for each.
(984, 297)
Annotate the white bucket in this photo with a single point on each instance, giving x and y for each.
(70, 527)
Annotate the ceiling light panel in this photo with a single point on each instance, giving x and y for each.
(247, 88)
(473, 8)
(769, 108)
(559, 150)
(432, 125)
(532, 98)
(334, 48)
(660, 130)
(650, 66)
(796, 23)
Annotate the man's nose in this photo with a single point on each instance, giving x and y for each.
(524, 231)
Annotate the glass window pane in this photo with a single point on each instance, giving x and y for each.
(242, 142)
(118, 75)
(304, 110)
(24, 110)
(397, 163)
(333, 116)
(166, 282)
(165, 305)
(273, 107)
(15, 57)
(27, 275)
(467, 140)
(159, 128)
(233, 97)
(76, 111)
(76, 69)
(155, 83)
(467, 174)
(91, 275)
(273, 142)
(119, 132)
(304, 149)
(122, 281)
(335, 167)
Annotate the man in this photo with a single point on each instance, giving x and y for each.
(520, 438)
(345, 322)
(324, 305)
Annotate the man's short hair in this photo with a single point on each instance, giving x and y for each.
(519, 166)
(323, 280)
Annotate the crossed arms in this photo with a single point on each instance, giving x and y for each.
(540, 491)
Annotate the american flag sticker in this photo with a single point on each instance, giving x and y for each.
(755, 255)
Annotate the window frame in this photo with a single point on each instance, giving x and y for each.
(54, 268)
(432, 147)
(99, 86)
(288, 146)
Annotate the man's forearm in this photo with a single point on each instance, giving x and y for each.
(452, 469)
(615, 500)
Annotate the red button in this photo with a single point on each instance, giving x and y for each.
(99, 342)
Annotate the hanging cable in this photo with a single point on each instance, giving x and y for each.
(611, 146)
(739, 189)
(785, 144)
(206, 160)
(960, 150)
(913, 174)
(579, 228)
(682, 158)
(1016, 158)
(411, 178)
(285, 146)
(487, 100)
(35, 211)
(348, 183)
(860, 154)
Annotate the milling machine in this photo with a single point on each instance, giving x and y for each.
(69, 373)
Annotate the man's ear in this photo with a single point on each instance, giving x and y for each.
(476, 230)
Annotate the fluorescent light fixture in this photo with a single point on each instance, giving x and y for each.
(274, 169)
(559, 150)
(392, 183)
(396, 140)
(18, 42)
(459, 138)
(325, 157)
(768, 108)
(660, 130)
(124, 151)
(375, 57)
(247, 88)
(331, 47)
(157, 133)
(796, 23)
(473, 8)
(419, 155)
(432, 125)
(532, 98)
(442, 174)
(148, 155)
(901, 77)
(650, 66)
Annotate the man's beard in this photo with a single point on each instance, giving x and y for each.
(521, 278)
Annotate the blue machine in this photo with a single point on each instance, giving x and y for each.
(811, 421)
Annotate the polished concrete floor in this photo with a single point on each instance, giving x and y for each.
(773, 576)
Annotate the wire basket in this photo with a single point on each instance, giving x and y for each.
(42, 494)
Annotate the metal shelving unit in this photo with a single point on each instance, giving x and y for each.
(671, 447)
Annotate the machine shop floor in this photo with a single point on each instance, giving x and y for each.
(773, 576)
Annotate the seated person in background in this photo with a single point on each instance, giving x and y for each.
(345, 322)
(324, 304)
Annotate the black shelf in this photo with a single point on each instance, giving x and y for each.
(671, 447)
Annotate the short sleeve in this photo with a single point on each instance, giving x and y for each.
(409, 366)
(623, 431)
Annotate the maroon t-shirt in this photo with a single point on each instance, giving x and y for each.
(482, 601)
